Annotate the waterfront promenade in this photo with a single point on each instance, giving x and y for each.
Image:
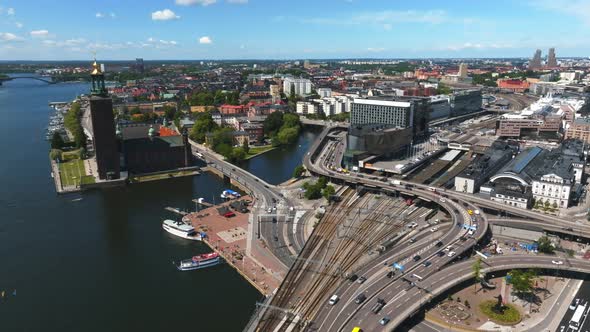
(229, 237)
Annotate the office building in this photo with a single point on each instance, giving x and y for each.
(139, 67)
(382, 112)
(465, 102)
(306, 107)
(535, 62)
(102, 128)
(551, 59)
(324, 92)
(297, 86)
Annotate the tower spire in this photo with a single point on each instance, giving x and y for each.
(97, 78)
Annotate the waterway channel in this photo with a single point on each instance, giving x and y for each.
(102, 263)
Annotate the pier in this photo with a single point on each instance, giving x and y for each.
(175, 210)
(228, 236)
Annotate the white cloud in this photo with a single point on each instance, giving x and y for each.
(576, 8)
(239, 2)
(164, 15)
(386, 18)
(10, 11)
(476, 46)
(387, 26)
(112, 15)
(99, 15)
(195, 2)
(9, 37)
(205, 40)
(40, 34)
(375, 49)
(157, 43)
(18, 25)
(65, 43)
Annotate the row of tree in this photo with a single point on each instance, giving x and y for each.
(220, 138)
(73, 125)
(214, 98)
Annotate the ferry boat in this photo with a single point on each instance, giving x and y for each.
(181, 229)
(199, 262)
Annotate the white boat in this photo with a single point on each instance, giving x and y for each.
(199, 262)
(181, 229)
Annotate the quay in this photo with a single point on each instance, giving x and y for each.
(228, 236)
(175, 210)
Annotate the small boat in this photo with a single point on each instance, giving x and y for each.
(181, 229)
(199, 262)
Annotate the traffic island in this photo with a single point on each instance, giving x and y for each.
(504, 314)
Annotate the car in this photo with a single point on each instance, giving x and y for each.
(274, 220)
(439, 244)
(333, 300)
(448, 248)
(574, 304)
(361, 280)
(440, 254)
(470, 232)
(416, 258)
(412, 240)
(269, 210)
(390, 274)
(378, 306)
(360, 298)
(276, 238)
(433, 229)
(427, 264)
(384, 320)
(451, 254)
(557, 262)
(353, 277)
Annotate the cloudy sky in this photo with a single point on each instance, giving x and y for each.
(290, 29)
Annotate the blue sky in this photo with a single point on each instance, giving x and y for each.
(288, 29)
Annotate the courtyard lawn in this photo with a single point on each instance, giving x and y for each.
(510, 316)
(72, 173)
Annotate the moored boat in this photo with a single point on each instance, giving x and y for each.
(199, 262)
(181, 229)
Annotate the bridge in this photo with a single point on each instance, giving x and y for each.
(27, 77)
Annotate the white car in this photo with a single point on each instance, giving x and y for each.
(557, 262)
(333, 299)
(451, 254)
(434, 229)
(470, 232)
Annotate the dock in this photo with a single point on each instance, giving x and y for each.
(203, 203)
(229, 238)
(175, 210)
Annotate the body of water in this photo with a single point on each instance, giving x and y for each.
(102, 263)
(277, 166)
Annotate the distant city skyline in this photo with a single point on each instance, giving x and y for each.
(265, 29)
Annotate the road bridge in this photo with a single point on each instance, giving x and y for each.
(48, 81)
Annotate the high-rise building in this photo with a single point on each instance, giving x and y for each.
(535, 63)
(463, 70)
(551, 59)
(139, 67)
(103, 128)
(297, 86)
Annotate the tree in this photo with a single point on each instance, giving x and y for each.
(313, 192)
(298, 171)
(245, 146)
(203, 124)
(476, 268)
(554, 205)
(545, 245)
(288, 135)
(55, 154)
(238, 154)
(169, 112)
(328, 191)
(56, 141)
(522, 281)
(273, 123)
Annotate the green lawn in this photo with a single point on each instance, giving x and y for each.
(253, 151)
(72, 173)
(511, 315)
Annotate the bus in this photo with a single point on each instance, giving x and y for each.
(575, 321)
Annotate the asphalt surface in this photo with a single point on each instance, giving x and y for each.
(584, 296)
